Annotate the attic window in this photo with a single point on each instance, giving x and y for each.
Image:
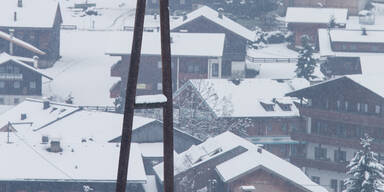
(268, 106)
(285, 107)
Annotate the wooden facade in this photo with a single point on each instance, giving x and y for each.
(18, 82)
(310, 29)
(174, 5)
(149, 82)
(234, 47)
(338, 113)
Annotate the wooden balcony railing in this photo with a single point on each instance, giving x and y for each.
(353, 143)
(319, 164)
(343, 117)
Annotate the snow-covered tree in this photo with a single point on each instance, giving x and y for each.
(201, 120)
(365, 173)
(306, 63)
(332, 22)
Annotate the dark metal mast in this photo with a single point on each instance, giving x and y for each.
(131, 95)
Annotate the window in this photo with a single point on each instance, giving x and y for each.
(338, 104)
(159, 65)
(377, 109)
(16, 101)
(334, 185)
(340, 156)
(2, 84)
(159, 86)
(32, 84)
(309, 102)
(190, 69)
(215, 70)
(346, 105)
(326, 103)
(182, 2)
(358, 107)
(320, 153)
(316, 179)
(2, 101)
(16, 84)
(285, 107)
(16, 70)
(2, 70)
(366, 108)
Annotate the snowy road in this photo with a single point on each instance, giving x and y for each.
(84, 69)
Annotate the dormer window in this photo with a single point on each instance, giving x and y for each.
(268, 106)
(284, 104)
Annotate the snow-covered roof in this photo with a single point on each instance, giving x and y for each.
(21, 43)
(213, 16)
(367, 81)
(253, 160)
(244, 100)
(326, 49)
(354, 24)
(69, 122)
(33, 13)
(182, 44)
(241, 164)
(315, 15)
(151, 149)
(372, 65)
(355, 36)
(4, 58)
(82, 162)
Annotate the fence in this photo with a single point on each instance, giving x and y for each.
(271, 60)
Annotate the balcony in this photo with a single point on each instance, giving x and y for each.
(319, 164)
(116, 69)
(343, 117)
(335, 141)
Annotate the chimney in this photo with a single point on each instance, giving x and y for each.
(220, 12)
(35, 61)
(364, 31)
(19, 3)
(259, 150)
(44, 139)
(14, 16)
(23, 116)
(185, 17)
(55, 146)
(155, 16)
(46, 104)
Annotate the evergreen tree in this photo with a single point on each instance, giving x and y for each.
(364, 171)
(306, 63)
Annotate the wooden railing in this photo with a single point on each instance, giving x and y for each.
(343, 117)
(319, 164)
(271, 60)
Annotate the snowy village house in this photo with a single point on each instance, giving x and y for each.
(207, 20)
(194, 55)
(306, 21)
(19, 80)
(343, 49)
(255, 109)
(337, 113)
(36, 22)
(353, 6)
(237, 166)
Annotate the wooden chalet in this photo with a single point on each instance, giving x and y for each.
(36, 22)
(207, 20)
(338, 112)
(18, 80)
(264, 117)
(194, 55)
(238, 165)
(306, 21)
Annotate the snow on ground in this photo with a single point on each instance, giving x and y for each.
(114, 14)
(84, 69)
